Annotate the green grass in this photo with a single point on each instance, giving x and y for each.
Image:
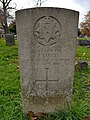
(10, 99)
(83, 53)
(84, 38)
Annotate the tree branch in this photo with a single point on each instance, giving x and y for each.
(1, 1)
(8, 2)
(43, 1)
(11, 8)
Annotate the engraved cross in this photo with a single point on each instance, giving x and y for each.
(46, 80)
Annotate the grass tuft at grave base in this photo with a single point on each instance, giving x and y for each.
(88, 38)
(10, 99)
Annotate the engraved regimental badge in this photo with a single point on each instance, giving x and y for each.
(47, 30)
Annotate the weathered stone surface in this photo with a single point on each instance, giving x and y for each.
(47, 42)
(10, 41)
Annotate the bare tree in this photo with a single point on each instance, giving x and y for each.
(5, 7)
(38, 3)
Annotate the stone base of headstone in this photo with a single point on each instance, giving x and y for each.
(10, 41)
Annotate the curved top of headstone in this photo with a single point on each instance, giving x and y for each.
(39, 8)
(47, 25)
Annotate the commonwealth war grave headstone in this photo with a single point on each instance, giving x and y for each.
(47, 39)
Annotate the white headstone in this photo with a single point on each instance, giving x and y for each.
(47, 39)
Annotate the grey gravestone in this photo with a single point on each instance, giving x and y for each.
(47, 42)
(84, 42)
(82, 64)
(10, 41)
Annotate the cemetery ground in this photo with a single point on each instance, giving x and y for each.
(84, 38)
(10, 98)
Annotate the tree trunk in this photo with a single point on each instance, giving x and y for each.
(5, 19)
